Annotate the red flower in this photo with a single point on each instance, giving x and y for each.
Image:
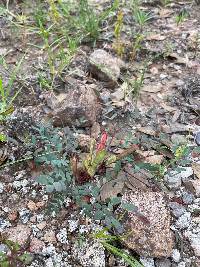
(102, 144)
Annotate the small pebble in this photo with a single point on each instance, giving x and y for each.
(197, 138)
(176, 256)
(1, 188)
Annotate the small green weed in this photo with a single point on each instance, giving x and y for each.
(17, 255)
(6, 101)
(118, 44)
(141, 17)
(107, 241)
(181, 17)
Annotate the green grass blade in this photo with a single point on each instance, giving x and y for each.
(129, 259)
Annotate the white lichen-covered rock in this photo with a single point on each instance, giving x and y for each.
(176, 256)
(62, 236)
(147, 262)
(90, 254)
(163, 263)
(193, 235)
(174, 179)
(1, 187)
(105, 67)
(184, 221)
(148, 229)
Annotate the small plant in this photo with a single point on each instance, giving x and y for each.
(118, 44)
(141, 17)
(63, 177)
(16, 254)
(135, 86)
(183, 14)
(137, 45)
(6, 100)
(107, 241)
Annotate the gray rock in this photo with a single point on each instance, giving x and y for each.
(194, 239)
(197, 138)
(79, 107)
(147, 262)
(4, 248)
(176, 256)
(184, 221)
(90, 254)
(186, 173)
(187, 198)
(24, 215)
(4, 224)
(148, 229)
(173, 180)
(1, 188)
(105, 67)
(177, 209)
(182, 264)
(163, 263)
(193, 186)
(62, 236)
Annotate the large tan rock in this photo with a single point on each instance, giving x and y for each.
(19, 234)
(78, 107)
(105, 67)
(148, 229)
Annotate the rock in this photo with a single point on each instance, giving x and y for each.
(24, 215)
(178, 139)
(84, 141)
(187, 198)
(41, 225)
(4, 224)
(186, 173)
(20, 234)
(177, 209)
(184, 221)
(147, 262)
(78, 107)
(12, 216)
(111, 189)
(50, 237)
(176, 256)
(148, 229)
(194, 239)
(105, 67)
(62, 236)
(72, 225)
(4, 248)
(195, 244)
(197, 138)
(36, 245)
(32, 206)
(90, 254)
(1, 188)
(163, 263)
(173, 180)
(181, 264)
(193, 186)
